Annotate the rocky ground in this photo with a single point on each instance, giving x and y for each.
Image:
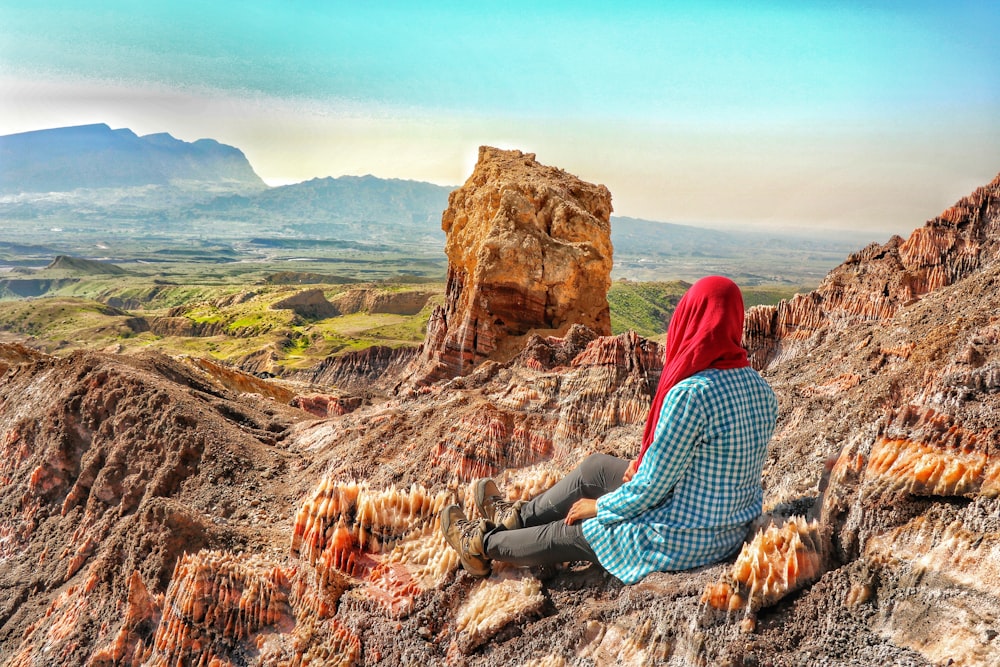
(160, 512)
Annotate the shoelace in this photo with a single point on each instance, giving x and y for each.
(467, 530)
(503, 510)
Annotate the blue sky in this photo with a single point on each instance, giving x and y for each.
(831, 115)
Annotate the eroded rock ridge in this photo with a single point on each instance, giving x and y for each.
(873, 284)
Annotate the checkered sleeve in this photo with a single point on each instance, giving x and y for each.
(681, 424)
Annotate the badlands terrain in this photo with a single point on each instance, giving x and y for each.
(159, 510)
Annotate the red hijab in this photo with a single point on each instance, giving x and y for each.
(705, 332)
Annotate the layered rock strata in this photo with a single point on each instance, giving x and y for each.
(529, 250)
(900, 407)
(558, 396)
(873, 284)
(310, 304)
(110, 469)
(375, 367)
(148, 516)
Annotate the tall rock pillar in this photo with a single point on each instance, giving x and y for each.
(529, 251)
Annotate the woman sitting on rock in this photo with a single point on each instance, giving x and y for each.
(690, 495)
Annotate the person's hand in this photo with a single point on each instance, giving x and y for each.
(584, 508)
(633, 465)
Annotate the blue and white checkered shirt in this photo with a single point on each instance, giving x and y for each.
(699, 484)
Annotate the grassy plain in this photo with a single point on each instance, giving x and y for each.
(645, 307)
(230, 315)
(225, 311)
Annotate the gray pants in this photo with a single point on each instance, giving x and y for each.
(545, 538)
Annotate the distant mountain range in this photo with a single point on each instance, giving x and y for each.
(358, 207)
(95, 156)
(94, 177)
(65, 190)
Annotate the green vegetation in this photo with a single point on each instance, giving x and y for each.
(645, 307)
(66, 323)
(179, 309)
(769, 296)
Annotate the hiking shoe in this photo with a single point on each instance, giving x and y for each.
(465, 537)
(494, 507)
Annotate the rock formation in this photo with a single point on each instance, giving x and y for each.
(558, 396)
(227, 378)
(873, 284)
(327, 405)
(310, 304)
(887, 377)
(377, 366)
(184, 326)
(151, 516)
(778, 561)
(367, 300)
(529, 250)
(110, 469)
(15, 354)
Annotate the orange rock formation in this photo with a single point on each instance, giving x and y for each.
(778, 561)
(529, 250)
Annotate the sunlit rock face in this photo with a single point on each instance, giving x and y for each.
(529, 250)
(110, 469)
(873, 284)
(778, 561)
(228, 378)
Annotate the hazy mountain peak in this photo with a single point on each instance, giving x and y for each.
(81, 266)
(96, 156)
(162, 139)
